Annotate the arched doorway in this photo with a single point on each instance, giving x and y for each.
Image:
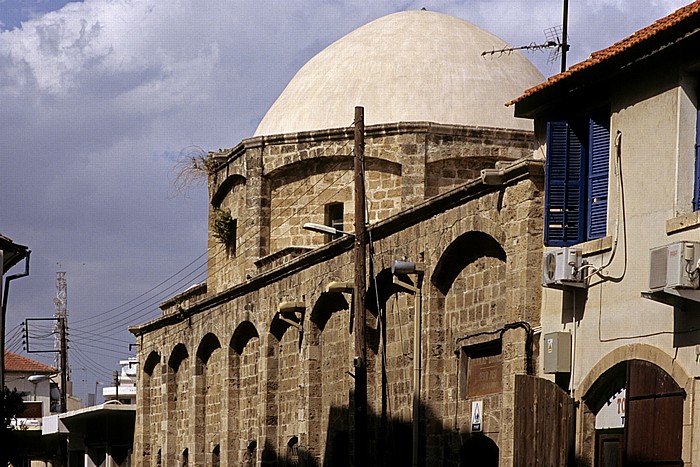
(638, 417)
(479, 450)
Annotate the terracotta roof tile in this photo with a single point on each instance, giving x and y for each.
(14, 362)
(616, 49)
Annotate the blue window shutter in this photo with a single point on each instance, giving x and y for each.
(696, 191)
(598, 170)
(563, 189)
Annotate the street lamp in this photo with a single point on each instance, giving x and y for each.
(325, 229)
(404, 268)
(36, 379)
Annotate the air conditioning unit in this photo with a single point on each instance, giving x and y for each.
(562, 268)
(674, 266)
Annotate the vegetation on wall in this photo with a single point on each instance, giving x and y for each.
(192, 169)
(224, 228)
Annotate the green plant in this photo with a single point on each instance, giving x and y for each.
(11, 405)
(224, 228)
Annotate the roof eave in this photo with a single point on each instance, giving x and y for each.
(602, 73)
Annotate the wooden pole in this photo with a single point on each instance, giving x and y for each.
(360, 395)
(64, 365)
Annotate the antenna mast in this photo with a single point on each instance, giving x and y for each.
(564, 35)
(556, 40)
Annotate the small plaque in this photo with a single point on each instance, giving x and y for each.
(477, 416)
(484, 374)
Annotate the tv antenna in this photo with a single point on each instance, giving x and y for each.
(556, 39)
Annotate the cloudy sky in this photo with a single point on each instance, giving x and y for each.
(98, 99)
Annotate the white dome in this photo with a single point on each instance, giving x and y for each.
(408, 66)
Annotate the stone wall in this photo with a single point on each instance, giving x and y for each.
(280, 385)
(273, 185)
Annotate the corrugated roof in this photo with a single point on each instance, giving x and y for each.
(643, 35)
(14, 362)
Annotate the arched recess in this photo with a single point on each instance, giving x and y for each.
(207, 346)
(177, 356)
(392, 375)
(329, 181)
(177, 403)
(225, 187)
(283, 380)
(467, 295)
(243, 390)
(207, 398)
(330, 358)
(463, 251)
(478, 450)
(647, 392)
(150, 404)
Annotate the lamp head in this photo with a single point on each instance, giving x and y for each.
(406, 267)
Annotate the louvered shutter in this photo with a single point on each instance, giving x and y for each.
(598, 170)
(563, 213)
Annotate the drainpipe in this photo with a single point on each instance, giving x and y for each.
(407, 267)
(5, 293)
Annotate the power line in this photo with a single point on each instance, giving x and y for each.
(143, 294)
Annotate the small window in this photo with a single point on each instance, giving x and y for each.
(334, 218)
(185, 458)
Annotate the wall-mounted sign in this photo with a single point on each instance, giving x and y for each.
(477, 416)
(485, 374)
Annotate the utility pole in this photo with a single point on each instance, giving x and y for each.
(61, 315)
(115, 377)
(64, 365)
(360, 394)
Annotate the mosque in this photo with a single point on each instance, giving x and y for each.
(255, 366)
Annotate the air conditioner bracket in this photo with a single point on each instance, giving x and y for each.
(676, 297)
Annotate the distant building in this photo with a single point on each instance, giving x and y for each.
(125, 391)
(33, 380)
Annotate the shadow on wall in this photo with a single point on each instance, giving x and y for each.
(293, 455)
(390, 442)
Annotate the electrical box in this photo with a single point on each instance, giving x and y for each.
(674, 266)
(557, 352)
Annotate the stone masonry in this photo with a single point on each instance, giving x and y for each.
(254, 367)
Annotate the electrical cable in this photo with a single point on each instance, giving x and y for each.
(107, 325)
(144, 293)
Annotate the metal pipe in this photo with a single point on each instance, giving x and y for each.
(564, 33)
(417, 330)
(3, 312)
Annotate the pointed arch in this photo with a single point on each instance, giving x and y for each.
(151, 361)
(225, 187)
(177, 356)
(463, 251)
(207, 346)
(244, 332)
(327, 304)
